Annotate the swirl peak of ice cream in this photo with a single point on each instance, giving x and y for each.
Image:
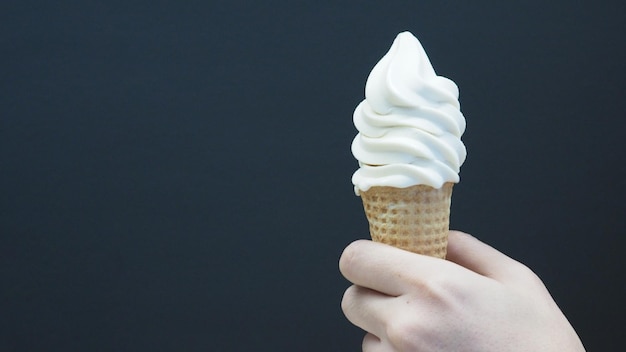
(410, 123)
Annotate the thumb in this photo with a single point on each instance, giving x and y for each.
(473, 254)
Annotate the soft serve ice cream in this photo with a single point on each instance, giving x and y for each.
(409, 150)
(410, 123)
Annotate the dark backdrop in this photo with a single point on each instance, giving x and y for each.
(176, 174)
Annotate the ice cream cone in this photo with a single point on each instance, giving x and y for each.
(416, 218)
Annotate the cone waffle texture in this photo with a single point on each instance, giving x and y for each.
(416, 218)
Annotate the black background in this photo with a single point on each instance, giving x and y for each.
(176, 174)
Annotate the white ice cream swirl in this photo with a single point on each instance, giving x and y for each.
(410, 123)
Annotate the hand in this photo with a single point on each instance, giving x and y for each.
(476, 300)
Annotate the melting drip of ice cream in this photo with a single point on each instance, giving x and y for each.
(410, 123)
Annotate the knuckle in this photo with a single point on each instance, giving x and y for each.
(403, 335)
(347, 302)
(370, 342)
(349, 257)
(435, 288)
(529, 275)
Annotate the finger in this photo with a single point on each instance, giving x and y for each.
(387, 269)
(371, 343)
(366, 309)
(471, 253)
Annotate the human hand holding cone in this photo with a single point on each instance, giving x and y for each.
(409, 150)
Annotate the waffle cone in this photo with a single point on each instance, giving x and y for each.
(416, 218)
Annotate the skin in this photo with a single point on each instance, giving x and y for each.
(477, 300)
